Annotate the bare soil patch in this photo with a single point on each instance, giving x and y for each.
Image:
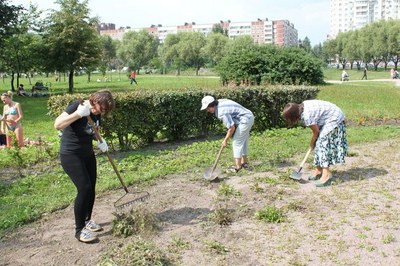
(353, 222)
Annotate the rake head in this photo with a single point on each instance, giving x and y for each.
(130, 199)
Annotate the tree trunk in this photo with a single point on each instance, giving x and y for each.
(71, 81)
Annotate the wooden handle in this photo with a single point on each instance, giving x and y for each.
(99, 138)
(305, 158)
(217, 159)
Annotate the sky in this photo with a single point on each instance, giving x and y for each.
(310, 17)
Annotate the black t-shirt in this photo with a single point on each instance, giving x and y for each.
(77, 138)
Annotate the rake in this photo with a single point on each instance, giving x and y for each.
(129, 198)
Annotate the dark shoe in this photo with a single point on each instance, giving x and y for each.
(233, 169)
(326, 183)
(245, 165)
(313, 178)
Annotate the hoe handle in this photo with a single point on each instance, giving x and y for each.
(305, 159)
(217, 159)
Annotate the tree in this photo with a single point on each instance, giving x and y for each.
(217, 28)
(306, 44)
(109, 53)
(137, 49)
(190, 47)
(394, 42)
(215, 47)
(71, 39)
(8, 20)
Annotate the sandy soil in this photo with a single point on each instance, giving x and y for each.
(353, 222)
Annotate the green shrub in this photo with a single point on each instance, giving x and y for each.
(270, 214)
(141, 117)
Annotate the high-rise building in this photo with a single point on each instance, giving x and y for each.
(279, 32)
(347, 15)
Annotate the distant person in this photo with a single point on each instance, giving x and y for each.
(345, 76)
(12, 116)
(34, 92)
(21, 91)
(365, 74)
(133, 77)
(396, 74)
(392, 73)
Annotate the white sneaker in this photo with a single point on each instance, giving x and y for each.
(85, 236)
(93, 226)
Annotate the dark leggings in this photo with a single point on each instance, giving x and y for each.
(83, 172)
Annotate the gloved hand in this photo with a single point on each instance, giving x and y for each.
(102, 145)
(83, 109)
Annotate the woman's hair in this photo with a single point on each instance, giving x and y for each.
(7, 94)
(105, 99)
(292, 113)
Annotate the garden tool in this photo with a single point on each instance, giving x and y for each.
(212, 173)
(129, 198)
(297, 175)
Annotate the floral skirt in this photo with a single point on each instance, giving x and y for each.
(331, 148)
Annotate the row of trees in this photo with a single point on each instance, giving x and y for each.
(375, 43)
(66, 41)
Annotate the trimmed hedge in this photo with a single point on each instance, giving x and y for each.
(146, 116)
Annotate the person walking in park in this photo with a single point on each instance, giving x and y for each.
(78, 159)
(365, 74)
(133, 77)
(238, 120)
(329, 142)
(12, 116)
(345, 76)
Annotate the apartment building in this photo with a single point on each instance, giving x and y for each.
(347, 15)
(279, 32)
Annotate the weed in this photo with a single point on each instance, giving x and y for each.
(256, 188)
(216, 247)
(388, 238)
(222, 216)
(270, 214)
(228, 191)
(138, 252)
(138, 220)
(178, 244)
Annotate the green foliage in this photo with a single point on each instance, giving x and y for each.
(222, 216)
(216, 247)
(137, 252)
(137, 221)
(71, 39)
(141, 116)
(270, 214)
(260, 64)
(227, 190)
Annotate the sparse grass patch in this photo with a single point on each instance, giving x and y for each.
(270, 214)
(137, 252)
(178, 244)
(137, 221)
(226, 190)
(215, 247)
(388, 238)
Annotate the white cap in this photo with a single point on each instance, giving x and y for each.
(206, 101)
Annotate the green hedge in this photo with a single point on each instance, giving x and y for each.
(146, 116)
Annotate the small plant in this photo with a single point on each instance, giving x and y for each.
(216, 247)
(138, 220)
(387, 239)
(138, 252)
(270, 214)
(178, 244)
(222, 216)
(257, 188)
(228, 191)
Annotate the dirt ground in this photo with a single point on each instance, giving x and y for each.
(353, 222)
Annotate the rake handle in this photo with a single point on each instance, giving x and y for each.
(99, 138)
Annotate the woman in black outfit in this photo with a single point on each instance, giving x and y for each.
(78, 159)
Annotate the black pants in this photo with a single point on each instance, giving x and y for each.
(83, 172)
(133, 80)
